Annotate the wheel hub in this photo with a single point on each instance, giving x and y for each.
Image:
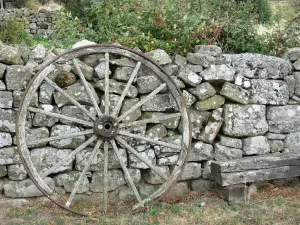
(106, 127)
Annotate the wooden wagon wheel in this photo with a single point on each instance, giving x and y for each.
(108, 129)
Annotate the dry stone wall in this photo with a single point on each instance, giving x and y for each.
(41, 22)
(240, 105)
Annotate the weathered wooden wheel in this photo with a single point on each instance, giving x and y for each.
(107, 130)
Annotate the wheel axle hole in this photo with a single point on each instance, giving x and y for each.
(107, 126)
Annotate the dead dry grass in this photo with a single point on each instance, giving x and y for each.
(273, 204)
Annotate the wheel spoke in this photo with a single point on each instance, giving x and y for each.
(76, 103)
(144, 160)
(87, 166)
(64, 160)
(152, 120)
(87, 88)
(132, 76)
(142, 102)
(150, 140)
(83, 122)
(65, 136)
(127, 175)
(106, 88)
(105, 175)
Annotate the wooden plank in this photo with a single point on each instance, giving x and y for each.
(257, 162)
(226, 179)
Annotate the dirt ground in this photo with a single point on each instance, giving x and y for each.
(273, 204)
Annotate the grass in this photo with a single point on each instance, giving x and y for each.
(272, 205)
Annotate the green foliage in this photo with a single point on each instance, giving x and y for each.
(44, 1)
(263, 9)
(19, 3)
(13, 32)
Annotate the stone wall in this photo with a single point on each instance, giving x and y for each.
(240, 105)
(41, 22)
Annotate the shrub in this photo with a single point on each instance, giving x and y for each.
(13, 32)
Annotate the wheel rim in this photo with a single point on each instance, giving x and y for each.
(107, 128)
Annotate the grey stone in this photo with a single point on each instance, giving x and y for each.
(235, 93)
(191, 171)
(201, 59)
(213, 126)
(68, 181)
(256, 145)
(17, 77)
(136, 163)
(178, 82)
(9, 155)
(33, 65)
(116, 179)
(72, 143)
(36, 134)
(270, 92)
(178, 191)
(7, 120)
(212, 50)
(297, 65)
(198, 120)
(46, 93)
(41, 120)
(117, 87)
(169, 123)
(127, 105)
(206, 173)
(3, 171)
(189, 77)
(10, 55)
(241, 121)
(168, 161)
(113, 100)
(83, 43)
(44, 158)
(292, 142)
(242, 81)
(147, 84)
(25, 188)
(16, 172)
(152, 178)
(190, 99)
(223, 153)
(201, 186)
(276, 146)
(195, 68)
(284, 119)
(2, 70)
(98, 162)
(140, 130)
(5, 139)
(38, 53)
(75, 112)
(87, 71)
(290, 81)
(65, 79)
(230, 142)
(203, 91)
(2, 86)
(100, 70)
(218, 73)
(175, 140)
(76, 91)
(201, 151)
(147, 189)
(18, 95)
(145, 71)
(120, 74)
(160, 103)
(157, 132)
(293, 54)
(214, 102)
(180, 60)
(297, 83)
(60, 69)
(260, 66)
(123, 62)
(159, 56)
(272, 136)
(171, 69)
